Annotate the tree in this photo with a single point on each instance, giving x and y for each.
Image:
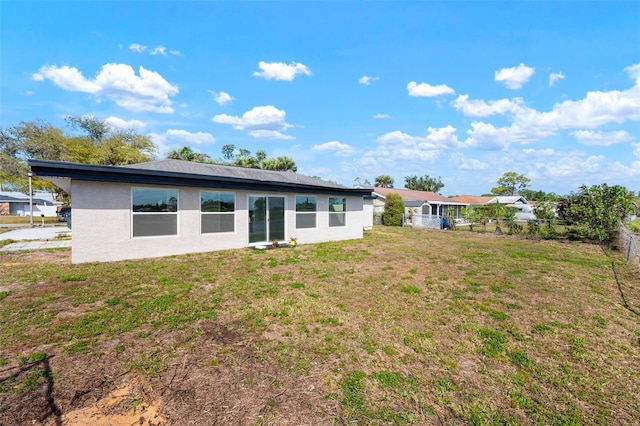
(510, 183)
(532, 195)
(242, 157)
(186, 153)
(423, 183)
(393, 210)
(93, 142)
(359, 181)
(597, 211)
(384, 181)
(471, 215)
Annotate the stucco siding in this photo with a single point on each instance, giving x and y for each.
(102, 223)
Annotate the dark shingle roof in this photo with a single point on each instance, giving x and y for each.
(190, 167)
(187, 173)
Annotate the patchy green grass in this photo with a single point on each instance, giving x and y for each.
(469, 328)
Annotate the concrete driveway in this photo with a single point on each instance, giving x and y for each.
(36, 238)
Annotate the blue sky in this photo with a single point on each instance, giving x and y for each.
(461, 90)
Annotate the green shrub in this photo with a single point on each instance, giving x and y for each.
(393, 210)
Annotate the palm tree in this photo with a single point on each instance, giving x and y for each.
(186, 153)
(384, 181)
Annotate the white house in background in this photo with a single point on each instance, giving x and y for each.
(173, 207)
(423, 203)
(525, 210)
(17, 203)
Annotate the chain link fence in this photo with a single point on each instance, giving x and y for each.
(629, 245)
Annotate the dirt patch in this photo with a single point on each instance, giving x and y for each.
(122, 407)
(20, 258)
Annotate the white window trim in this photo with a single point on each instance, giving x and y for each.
(235, 216)
(309, 213)
(335, 213)
(177, 234)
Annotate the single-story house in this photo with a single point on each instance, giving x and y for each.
(421, 203)
(170, 207)
(525, 210)
(17, 203)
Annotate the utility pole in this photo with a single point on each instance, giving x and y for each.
(30, 200)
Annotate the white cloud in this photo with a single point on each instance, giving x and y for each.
(594, 110)
(459, 161)
(139, 48)
(367, 80)
(398, 138)
(427, 90)
(281, 71)
(574, 163)
(515, 77)
(481, 108)
(269, 134)
(599, 138)
(486, 136)
(221, 97)
(119, 123)
(398, 145)
(341, 149)
(634, 72)
(618, 170)
(67, 78)
(175, 137)
(438, 138)
(261, 122)
(555, 77)
(636, 150)
(159, 50)
(443, 136)
(381, 116)
(148, 91)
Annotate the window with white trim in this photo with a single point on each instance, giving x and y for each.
(154, 211)
(217, 212)
(306, 208)
(337, 211)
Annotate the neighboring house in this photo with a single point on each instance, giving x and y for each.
(17, 203)
(172, 207)
(423, 203)
(525, 210)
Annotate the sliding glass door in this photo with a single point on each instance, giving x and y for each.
(266, 219)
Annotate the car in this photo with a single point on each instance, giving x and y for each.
(63, 213)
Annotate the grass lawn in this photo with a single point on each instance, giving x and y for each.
(23, 220)
(406, 326)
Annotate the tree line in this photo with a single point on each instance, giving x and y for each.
(92, 141)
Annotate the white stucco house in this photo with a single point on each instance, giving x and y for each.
(170, 207)
(17, 203)
(423, 203)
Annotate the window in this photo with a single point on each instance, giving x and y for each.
(306, 208)
(337, 211)
(217, 212)
(155, 212)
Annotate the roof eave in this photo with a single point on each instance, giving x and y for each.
(100, 173)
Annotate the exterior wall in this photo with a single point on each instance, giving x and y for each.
(22, 209)
(102, 223)
(367, 210)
